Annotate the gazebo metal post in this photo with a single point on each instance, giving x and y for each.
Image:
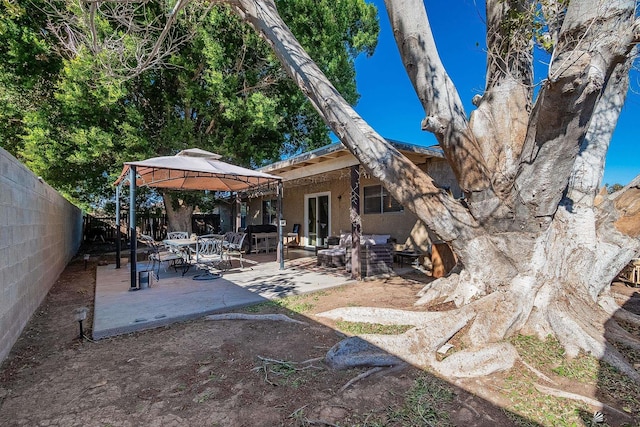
(280, 233)
(132, 229)
(118, 226)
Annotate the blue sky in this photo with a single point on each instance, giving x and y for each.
(389, 104)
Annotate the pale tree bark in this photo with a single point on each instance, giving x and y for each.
(501, 119)
(595, 37)
(446, 117)
(540, 253)
(537, 254)
(178, 213)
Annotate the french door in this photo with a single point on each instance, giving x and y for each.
(317, 218)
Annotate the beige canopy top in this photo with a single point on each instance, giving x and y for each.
(194, 169)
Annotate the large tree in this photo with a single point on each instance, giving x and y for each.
(537, 248)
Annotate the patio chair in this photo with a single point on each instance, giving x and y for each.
(174, 235)
(292, 240)
(233, 245)
(159, 256)
(177, 235)
(208, 255)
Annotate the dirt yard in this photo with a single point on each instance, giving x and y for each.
(225, 373)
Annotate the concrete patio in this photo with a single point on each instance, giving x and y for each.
(175, 298)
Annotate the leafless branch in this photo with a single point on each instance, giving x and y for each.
(126, 36)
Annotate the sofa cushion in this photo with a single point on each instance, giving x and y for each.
(365, 239)
(381, 239)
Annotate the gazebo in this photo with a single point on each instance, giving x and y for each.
(192, 169)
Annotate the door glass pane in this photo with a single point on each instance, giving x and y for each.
(323, 219)
(312, 220)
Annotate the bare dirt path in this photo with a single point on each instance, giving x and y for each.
(213, 373)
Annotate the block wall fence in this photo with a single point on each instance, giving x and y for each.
(40, 232)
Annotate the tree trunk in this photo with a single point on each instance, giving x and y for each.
(178, 213)
(530, 259)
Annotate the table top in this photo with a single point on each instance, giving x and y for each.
(179, 242)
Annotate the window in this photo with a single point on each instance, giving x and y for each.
(269, 211)
(378, 200)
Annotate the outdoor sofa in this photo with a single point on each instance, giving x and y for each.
(376, 254)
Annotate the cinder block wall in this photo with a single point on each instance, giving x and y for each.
(40, 232)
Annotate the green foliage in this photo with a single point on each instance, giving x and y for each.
(613, 188)
(359, 328)
(527, 21)
(74, 124)
(424, 404)
(28, 66)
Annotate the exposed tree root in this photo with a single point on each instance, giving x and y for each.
(611, 307)
(438, 289)
(575, 336)
(245, 316)
(359, 377)
(589, 401)
(419, 345)
(613, 357)
(537, 372)
(384, 316)
(617, 333)
(282, 367)
(580, 326)
(469, 363)
(459, 288)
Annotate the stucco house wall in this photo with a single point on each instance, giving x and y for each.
(404, 227)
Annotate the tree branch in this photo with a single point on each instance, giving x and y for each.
(445, 216)
(587, 54)
(500, 122)
(586, 177)
(437, 93)
(127, 48)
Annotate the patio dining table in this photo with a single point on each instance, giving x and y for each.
(182, 245)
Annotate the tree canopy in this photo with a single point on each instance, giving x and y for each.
(222, 91)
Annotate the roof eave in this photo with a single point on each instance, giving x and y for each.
(433, 151)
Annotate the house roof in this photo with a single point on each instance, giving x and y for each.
(336, 156)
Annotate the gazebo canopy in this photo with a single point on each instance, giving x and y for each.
(194, 169)
(191, 169)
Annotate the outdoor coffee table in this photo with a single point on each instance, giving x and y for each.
(402, 255)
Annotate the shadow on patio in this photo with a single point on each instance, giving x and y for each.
(175, 298)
